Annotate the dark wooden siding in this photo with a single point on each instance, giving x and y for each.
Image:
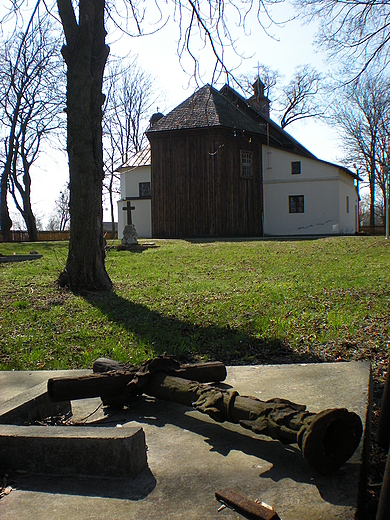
(197, 190)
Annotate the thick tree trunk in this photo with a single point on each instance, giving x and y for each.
(112, 211)
(27, 212)
(372, 203)
(85, 55)
(31, 224)
(5, 219)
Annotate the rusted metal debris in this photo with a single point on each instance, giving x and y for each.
(327, 439)
(241, 504)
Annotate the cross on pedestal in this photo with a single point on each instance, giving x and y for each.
(129, 209)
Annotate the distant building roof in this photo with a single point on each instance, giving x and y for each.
(141, 158)
(205, 108)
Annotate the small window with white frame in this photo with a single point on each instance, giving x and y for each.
(296, 204)
(144, 190)
(295, 167)
(246, 164)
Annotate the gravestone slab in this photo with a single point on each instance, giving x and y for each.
(73, 450)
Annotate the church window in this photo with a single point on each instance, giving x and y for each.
(296, 204)
(296, 167)
(144, 190)
(246, 164)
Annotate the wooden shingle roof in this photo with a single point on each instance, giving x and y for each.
(207, 108)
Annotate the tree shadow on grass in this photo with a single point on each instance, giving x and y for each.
(189, 342)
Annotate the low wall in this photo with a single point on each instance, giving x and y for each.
(46, 236)
(372, 230)
(43, 236)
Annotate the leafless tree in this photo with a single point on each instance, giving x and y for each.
(383, 148)
(299, 98)
(269, 77)
(296, 100)
(357, 33)
(127, 110)
(60, 218)
(31, 98)
(361, 113)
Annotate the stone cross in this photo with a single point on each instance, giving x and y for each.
(129, 209)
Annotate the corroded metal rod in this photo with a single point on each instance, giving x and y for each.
(244, 505)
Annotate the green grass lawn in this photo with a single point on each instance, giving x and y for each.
(241, 302)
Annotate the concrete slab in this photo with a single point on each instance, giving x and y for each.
(190, 457)
(16, 382)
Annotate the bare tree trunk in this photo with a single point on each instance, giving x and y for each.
(372, 190)
(24, 191)
(112, 208)
(85, 55)
(5, 219)
(31, 223)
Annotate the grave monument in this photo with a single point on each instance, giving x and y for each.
(129, 233)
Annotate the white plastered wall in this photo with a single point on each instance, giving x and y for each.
(324, 187)
(141, 215)
(348, 219)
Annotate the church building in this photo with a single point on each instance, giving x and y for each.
(218, 166)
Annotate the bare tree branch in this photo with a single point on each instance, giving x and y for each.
(350, 29)
(130, 95)
(31, 99)
(298, 99)
(361, 113)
